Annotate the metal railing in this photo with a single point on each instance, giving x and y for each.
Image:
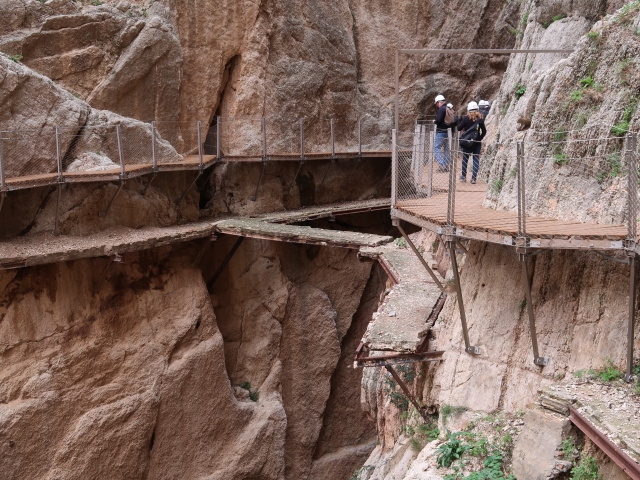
(586, 176)
(55, 154)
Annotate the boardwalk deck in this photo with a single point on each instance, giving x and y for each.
(190, 162)
(474, 220)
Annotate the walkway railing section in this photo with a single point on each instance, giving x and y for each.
(589, 175)
(52, 155)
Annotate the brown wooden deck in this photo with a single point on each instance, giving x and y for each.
(190, 162)
(475, 221)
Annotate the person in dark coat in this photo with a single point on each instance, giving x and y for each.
(483, 108)
(473, 119)
(441, 143)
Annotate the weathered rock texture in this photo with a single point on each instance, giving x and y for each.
(139, 360)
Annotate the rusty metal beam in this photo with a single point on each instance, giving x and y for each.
(406, 392)
(624, 461)
(419, 255)
(224, 263)
(473, 350)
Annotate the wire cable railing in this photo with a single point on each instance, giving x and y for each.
(582, 177)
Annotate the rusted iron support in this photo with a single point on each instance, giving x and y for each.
(628, 377)
(451, 196)
(394, 162)
(154, 160)
(293, 182)
(179, 199)
(463, 317)
(203, 248)
(406, 391)
(326, 172)
(431, 273)
(522, 225)
(399, 359)
(3, 195)
(224, 263)
(106, 210)
(626, 463)
(537, 359)
(153, 177)
(255, 194)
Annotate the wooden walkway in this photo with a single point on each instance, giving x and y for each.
(190, 162)
(477, 222)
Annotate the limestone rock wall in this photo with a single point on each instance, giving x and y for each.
(139, 360)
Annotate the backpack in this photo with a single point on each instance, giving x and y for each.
(469, 138)
(450, 116)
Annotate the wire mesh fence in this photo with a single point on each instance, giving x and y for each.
(92, 149)
(284, 137)
(28, 153)
(242, 136)
(588, 177)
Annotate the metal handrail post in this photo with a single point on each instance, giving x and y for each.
(632, 181)
(154, 160)
(394, 168)
(200, 160)
(632, 318)
(264, 138)
(58, 156)
(3, 183)
(522, 228)
(333, 149)
(120, 156)
(452, 183)
(360, 136)
(302, 139)
(218, 128)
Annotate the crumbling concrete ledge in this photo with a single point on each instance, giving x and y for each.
(406, 315)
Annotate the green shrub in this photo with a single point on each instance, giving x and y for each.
(496, 185)
(519, 90)
(254, 396)
(593, 36)
(560, 159)
(16, 57)
(587, 469)
(586, 82)
(621, 128)
(554, 19)
(576, 96)
(610, 372)
(450, 451)
(400, 242)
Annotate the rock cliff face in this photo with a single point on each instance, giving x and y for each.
(137, 359)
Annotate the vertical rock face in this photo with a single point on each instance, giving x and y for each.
(277, 58)
(138, 359)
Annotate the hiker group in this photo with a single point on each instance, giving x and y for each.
(472, 130)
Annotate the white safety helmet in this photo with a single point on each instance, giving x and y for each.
(484, 103)
(439, 98)
(472, 106)
(450, 105)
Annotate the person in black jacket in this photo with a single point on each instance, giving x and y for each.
(441, 143)
(474, 120)
(483, 108)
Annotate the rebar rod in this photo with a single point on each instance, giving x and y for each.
(359, 136)
(537, 359)
(264, 138)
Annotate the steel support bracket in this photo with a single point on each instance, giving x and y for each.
(541, 361)
(630, 247)
(473, 350)
(522, 244)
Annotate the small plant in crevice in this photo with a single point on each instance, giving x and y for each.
(612, 168)
(397, 398)
(451, 450)
(16, 57)
(519, 90)
(447, 410)
(608, 373)
(255, 396)
(496, 185)
(587, 469)
(560, 159)
(400, 242)
(554, 19)
(594, 36)
(627, 13)
(621, 128)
